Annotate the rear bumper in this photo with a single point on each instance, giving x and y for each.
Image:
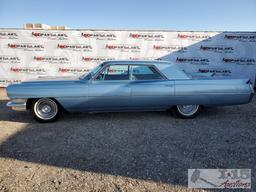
(17, 105)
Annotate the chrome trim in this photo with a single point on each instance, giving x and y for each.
(251, 87)
(17, 106)
(130, 72)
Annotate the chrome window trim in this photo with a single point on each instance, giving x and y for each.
(155, 68)
(130, 72)
(107, 65)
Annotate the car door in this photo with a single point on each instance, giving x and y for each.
(110, 89)
(149, 88)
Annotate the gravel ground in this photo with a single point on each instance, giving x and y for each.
(141, 151)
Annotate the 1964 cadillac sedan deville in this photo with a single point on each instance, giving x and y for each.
(127, 86)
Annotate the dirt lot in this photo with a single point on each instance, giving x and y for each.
(146, 151)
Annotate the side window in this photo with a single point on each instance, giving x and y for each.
(145, 73)
(114, 72)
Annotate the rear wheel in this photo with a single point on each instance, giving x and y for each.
(187, 111)
(45, 110)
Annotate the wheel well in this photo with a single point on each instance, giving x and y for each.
(30, 102)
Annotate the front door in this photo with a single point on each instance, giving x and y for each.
(110, 90)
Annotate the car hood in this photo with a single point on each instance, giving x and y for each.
(53, 79)
(43, 87)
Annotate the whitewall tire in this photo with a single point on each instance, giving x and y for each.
(187, 111)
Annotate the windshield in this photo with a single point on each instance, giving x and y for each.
(91, 73)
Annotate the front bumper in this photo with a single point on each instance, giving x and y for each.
(17, 105)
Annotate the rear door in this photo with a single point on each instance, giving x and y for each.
(149, 88)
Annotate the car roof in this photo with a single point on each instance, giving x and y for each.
(137, 62)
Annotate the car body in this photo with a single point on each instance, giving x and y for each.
(129, 86)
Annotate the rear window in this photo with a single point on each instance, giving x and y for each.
(145, 73)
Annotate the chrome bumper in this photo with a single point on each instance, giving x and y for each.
(17, 105)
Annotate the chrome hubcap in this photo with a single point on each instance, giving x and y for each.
(187, 110)
(45, 109)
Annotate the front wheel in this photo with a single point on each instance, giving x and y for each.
(187, 111)
(45, 110)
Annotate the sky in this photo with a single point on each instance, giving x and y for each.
(188, 15)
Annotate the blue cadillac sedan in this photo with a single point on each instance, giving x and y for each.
(127, 86)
